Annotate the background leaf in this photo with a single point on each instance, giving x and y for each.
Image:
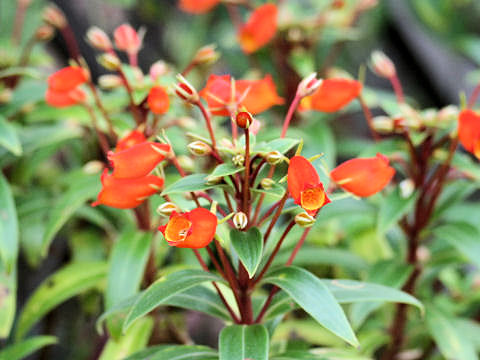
(9, 138)
(194, 182)
(8, 226)
(175, 352)
(240, 342)
(392, 208)
(26, 347)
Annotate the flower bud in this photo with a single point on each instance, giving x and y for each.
(206, 55)
(383, 124)
(407, 187)
(5, 96)
(274, 157)
(109, 61)
(365, 5)
(382, 65)
(423, 254)
(44, 33)
(199, 148)
(158, 69)
(244, 119)
(98, 39)
(110, 81)
(187, 123)
(214, 180)
(267, 183)
(238, 160)
(448, 113)
(127, 39)
(308, 85)
(52, 15)
(93, 167)
(186, 163)
(304, 220)
(240, 220)
(186, 91)
(166, 209)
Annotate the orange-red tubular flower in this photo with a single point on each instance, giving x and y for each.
(126, 193)
(194, 229)
(363, 176)
(255, 95)
(134, 137)
(138, 160)
(67, 79)
(127, 39)
(332, 95)
(197, 6)
(469, 131)
(62, 99)
(158, 100)
(304, 185)
(259, 29)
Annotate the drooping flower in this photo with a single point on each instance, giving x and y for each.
(259, 29)
(137, 160)
(62, 99)
(332, 95)
(197, 6)
(67, 79)
(158, 100)
(127, 39)
(222, 94)
(126, 193)
(363, 176)
(134, 137)
(469, 131)
(194, 229)
(304, 185)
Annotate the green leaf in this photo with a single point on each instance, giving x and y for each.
(26, 347)
(21, 71)
(464, 237)
(392, 208)
(240, 342)
(9, 138)
(67, 282)
(249, 247)
(175, 352)
(315, 298)
(194, 182)
(225, 170)
(80, 191)
(163, 289)
(453, 344)
(280, 145)
(319, 354)
(8, 227)
(135, 339)
(127, 264)
(8, 300)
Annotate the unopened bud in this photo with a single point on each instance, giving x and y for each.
(128, 39)
(308, 85)
(423, 254)
(93, 167)
(44, 33)
(240, 220)
(199, 148)
(267, 183)
(110, 81)
(206, 55)
(365, 5)
(166, 209)
(109, 61)
(244, 119)
(448, 113)
(238, 160)
(274, 157)
(52, 15)
(214, 180)
(186, 163)
(186, 91)
(98, 39)
(383, 124)
(158, 69)
(304, 220)
(5, 96)
(407, 187)
(382, 65)
(187, 123)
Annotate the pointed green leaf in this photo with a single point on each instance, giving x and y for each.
(392, 208)
(240, 342)
(313, 295)
(249, 247)
(163, 289)
(194, 182)
(8, 299)
(26, 347)
(8, 226)
(9, 138)
(225, 170)
(175, 352)
(67, 282)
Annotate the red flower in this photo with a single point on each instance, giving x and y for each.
(469, 131)
(138, 160)
(332, 95)
(127, 39)
(304, 185)
(259, 29)
(61, 99)
(255, 95)
(194, 229)
(197, 6)
(126, 193)
(363, 176)
(67, 79)
(158, 100)
(133, 138)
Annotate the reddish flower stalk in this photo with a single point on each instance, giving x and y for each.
(208, 121)
(288, 118)
(397, 88)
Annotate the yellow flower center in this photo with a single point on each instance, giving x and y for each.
(476, 149)
(312, 199)
(177, 229)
